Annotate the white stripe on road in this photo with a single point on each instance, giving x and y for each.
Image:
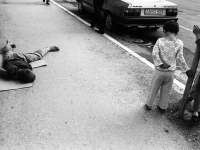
(71, 13)
(180, 85)
(186, 28)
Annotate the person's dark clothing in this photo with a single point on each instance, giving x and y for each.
(13, 62)
(98, 3)
(195, 91)
(97, 18)
(47, 2)
(198, 43)
(195, 94)
(13, 66)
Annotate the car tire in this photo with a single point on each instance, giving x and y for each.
(81, 9)
(109, 22)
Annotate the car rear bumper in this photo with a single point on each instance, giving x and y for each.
(142, 21)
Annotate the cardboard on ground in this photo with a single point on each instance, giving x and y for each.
(9, 84)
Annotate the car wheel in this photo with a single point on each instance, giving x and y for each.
(109, 22)
(81, 9)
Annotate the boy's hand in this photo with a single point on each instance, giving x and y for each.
(164, 66)
(196, 31)
(190, 73)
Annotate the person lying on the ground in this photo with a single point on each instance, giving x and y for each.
(194, 91)
(17, 64)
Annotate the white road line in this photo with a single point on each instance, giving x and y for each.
(186, 28)
(180, 85)
(71, 13)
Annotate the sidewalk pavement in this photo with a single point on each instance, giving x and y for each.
(90, 95)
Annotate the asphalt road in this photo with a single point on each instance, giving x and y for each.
(188, 16)
(89, 96)
(188, 12)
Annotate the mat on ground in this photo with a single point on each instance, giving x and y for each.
(9, 84)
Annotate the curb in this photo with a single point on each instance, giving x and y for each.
(179, 87)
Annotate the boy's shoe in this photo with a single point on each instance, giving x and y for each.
(148, 107)
(195, 119)
(47, 2)
(92, 25)
(53, 49)
(162, 111)
(100, 32)
(190, 99)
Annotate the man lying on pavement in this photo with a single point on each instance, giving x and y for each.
(17, 64)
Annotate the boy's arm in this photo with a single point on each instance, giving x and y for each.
(181, 60)
(3, 72)
(196, 31)
(11, 71)
(155, 55)
(198, 44)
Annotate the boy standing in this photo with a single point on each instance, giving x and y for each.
(165, 53)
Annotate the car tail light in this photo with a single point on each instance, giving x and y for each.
(131, 12)
(171, 12)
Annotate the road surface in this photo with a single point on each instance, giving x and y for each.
(188, 16)
(89, 96)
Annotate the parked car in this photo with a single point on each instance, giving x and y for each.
(133, 13)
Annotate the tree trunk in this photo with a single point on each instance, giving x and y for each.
(188, 87)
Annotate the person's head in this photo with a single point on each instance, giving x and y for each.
(171, 28)
(26, 75)
(8, 46)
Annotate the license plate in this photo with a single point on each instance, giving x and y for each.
(153, 12)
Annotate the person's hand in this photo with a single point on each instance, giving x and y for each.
(190, 73)
(196, 31)
(3, 72)
(164, 66)
(53, 49)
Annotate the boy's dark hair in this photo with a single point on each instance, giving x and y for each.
(26, 75)
(171, 26)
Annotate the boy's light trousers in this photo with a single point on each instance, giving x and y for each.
(162, 80)
(27, 57)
